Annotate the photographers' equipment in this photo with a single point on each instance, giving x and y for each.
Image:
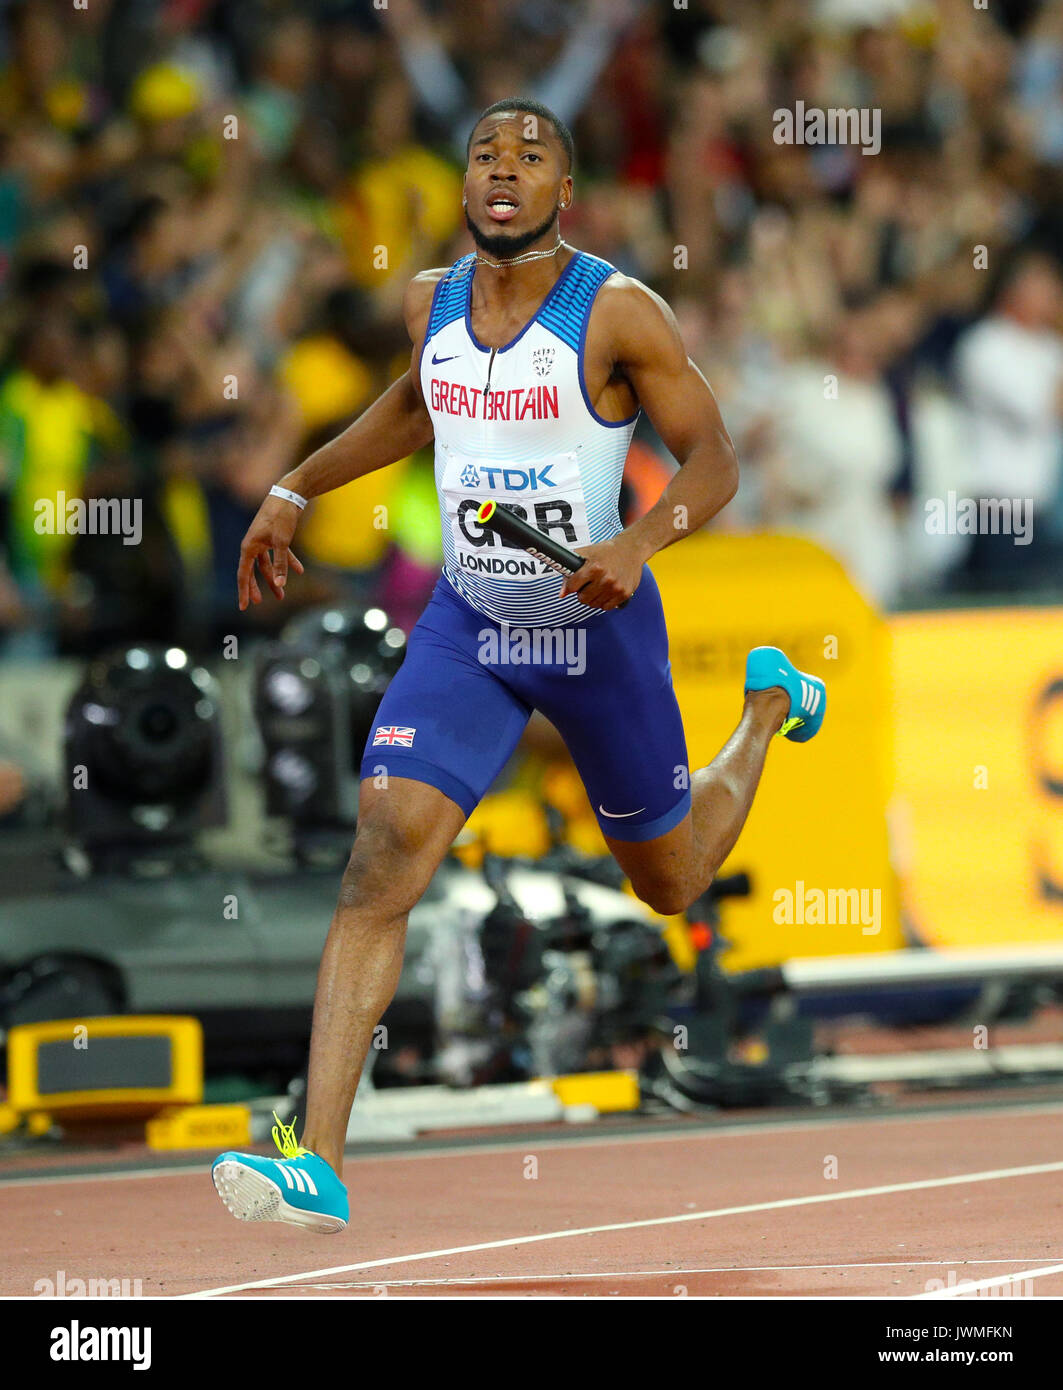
(316, 695)
(143, 754)
(302, 710)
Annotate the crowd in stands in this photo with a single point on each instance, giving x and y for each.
(209, 210)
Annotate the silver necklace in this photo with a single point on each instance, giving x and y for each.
(521, 260)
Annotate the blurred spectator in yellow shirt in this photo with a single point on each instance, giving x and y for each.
(403, 203)
(49, 431)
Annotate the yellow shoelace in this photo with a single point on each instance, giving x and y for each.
(285, 1140)
(793, 723)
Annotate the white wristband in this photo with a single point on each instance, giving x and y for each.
(277, 491)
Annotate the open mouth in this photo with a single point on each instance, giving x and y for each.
(502, 206)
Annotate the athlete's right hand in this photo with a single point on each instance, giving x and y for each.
(271, 531)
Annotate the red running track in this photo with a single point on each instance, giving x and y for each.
(875, 1206)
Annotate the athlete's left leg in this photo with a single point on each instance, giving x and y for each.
(668, 873)
(668, 830)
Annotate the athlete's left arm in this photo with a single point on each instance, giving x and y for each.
(649, 355)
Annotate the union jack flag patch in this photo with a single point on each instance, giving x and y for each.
(392, 733)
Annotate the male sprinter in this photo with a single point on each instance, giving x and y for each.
(531, 361)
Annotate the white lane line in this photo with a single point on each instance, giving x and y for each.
(991, 1175)
(645, 1274)
(426, 1150)
(1001, 1281)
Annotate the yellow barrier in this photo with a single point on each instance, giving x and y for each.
(817, 831)
(979, 748)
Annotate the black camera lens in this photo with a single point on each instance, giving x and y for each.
(158, 723)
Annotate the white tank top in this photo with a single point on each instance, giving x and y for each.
(516, 424)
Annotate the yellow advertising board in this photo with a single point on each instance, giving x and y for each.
(815, 844)
(979, 753)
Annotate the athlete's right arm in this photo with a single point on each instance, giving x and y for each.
(394, 426)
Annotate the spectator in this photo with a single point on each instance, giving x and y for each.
(839, 456)
(49, 431)
(1009, 368)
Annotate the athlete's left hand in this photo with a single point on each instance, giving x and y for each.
(609, 575)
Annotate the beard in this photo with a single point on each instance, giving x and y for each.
(499, 245)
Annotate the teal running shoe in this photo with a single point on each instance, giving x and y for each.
(299, 1188)
(768, 666)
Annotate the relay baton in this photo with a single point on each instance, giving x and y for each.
(511, 528)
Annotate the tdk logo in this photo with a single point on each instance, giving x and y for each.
(519, 479)
(470, 476)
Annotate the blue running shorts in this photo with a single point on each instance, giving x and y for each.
(458, 704)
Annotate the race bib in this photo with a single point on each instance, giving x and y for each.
(547, 494)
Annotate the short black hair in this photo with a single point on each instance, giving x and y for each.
(530, 108)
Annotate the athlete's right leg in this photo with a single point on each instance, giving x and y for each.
(446, 726)
(404, 832)
(444, 729)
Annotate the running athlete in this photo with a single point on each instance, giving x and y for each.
(531, 362)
